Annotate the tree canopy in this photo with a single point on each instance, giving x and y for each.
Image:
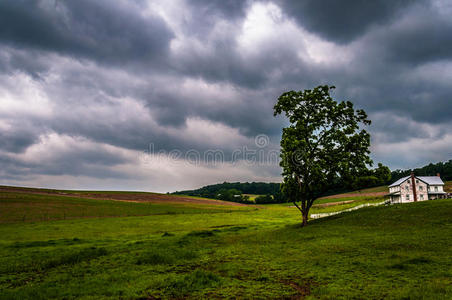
(323, 145)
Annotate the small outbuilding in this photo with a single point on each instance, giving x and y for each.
(417, 188)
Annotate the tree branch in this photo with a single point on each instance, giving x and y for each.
(310, 202)
(295, 203)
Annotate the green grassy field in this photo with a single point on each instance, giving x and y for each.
(110, 249)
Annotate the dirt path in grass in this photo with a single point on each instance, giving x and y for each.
(333, 203)
(330, 203)
(118, 196)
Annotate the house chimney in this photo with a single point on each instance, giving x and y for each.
(437, 174)
(413, 184)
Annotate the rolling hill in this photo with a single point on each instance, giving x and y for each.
(134, 250)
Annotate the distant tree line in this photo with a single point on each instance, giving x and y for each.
(443, 168)
(234, 191)
(271, 192)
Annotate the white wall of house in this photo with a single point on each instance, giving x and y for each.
(421, 190)
(394, 189)
(436, 188)
(405, 191)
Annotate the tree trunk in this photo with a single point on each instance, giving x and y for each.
(305, 218)
(304, 209)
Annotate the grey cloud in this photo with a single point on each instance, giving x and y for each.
(223, 9)
(249, 111)
(425, 37)
(391, 128)
(94, 164)
(27, 61)
(206, 13)
(85, 29)
(206, 64)
(12, 169)
(222, 62)
(16, 141)
(343, 21)
(19, 134)
(76, 161)
(220, 58)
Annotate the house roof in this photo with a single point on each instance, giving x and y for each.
(431, 180)
(398, 182)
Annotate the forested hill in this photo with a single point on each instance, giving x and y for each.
(230, 191)
(211, 191)
(443, 168)
(236, 191)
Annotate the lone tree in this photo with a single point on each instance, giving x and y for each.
(323, 145)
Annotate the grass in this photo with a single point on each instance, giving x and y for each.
(145, 251)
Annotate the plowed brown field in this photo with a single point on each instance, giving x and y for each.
(121, 196)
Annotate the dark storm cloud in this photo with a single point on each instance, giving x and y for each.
(249, 111)
(12, 167)
(17, 140)
(425, 102)
(84, 162)
(424, 38)
(402, 129)
(343, 21)
(88, 29)
(223, 62)
(221, 57)
(404, 69)
(78, 160)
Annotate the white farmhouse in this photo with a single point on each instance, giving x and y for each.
(416, 188)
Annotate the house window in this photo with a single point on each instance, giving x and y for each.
(407, 197)
(422, 197)
(408, 181)
(417, 181)
(420, 188)
(407, 187)
(436, 188)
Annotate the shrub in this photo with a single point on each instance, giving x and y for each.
(266, 199)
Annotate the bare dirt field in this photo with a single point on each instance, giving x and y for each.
(333, 203)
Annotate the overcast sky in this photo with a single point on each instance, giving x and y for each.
(135, 95)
